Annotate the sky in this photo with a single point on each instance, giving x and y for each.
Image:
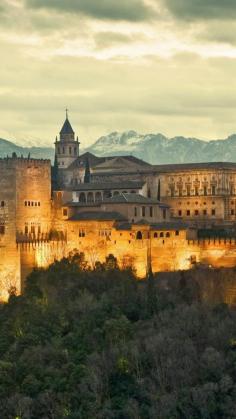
(153, 66)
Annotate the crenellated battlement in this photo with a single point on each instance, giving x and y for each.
(14, 161)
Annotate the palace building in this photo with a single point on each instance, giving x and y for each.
(178, 215)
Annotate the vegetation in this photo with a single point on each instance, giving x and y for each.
(100, 344)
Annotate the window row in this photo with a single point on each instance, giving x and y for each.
(143, 211)
(32, 204)
(139, 235)
(196, 213)
(72, 150)
(105, 233)
(196, 191)
(32, 229)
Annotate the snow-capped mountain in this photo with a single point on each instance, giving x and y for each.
(153, 148)
(158, 149)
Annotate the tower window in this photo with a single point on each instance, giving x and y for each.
(135, 212)
(69, 150)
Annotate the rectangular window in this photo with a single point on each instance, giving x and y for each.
(180, 191)
(65, 212)
(232, 212)
(177, 233)
(172, 190)
(151, 212)
(188, 213)
(164, 214)
(205, 190)
(204, 212)
(143, 211)
(2, 229)
(135, 212)
(196, 212)
(196, 190)
(188, 187)
(213, 190)
(213, 212)
(26, 230)
(180, 213)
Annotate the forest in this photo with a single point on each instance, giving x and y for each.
(83, 344)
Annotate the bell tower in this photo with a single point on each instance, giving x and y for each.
(67, 147)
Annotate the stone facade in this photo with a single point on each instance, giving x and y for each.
(175, 215)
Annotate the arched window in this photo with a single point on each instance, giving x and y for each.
(98, 197)
(167, 234)
(139, 235)
(90, 197)
(115, 193)
(155, 235)
(161, 234)
(82, 197)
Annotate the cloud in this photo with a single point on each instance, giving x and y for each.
(131, 10)
(202, 9)
(109, 39)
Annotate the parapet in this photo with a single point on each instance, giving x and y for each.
(21, 161)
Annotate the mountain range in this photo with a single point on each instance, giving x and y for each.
(153, 148)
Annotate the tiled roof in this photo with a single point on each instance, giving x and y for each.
(192, 166)
(98, 216)
(132, 198)
(106, 186)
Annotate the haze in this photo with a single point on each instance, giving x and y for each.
(150, 65)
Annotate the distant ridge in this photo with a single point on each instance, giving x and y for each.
(8, 147)
(153, 148)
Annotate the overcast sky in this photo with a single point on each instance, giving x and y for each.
(164, 66)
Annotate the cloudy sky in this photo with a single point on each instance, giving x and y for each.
(164, 66)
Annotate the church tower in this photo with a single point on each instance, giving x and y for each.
(66, 148)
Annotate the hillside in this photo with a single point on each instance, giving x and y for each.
(86, 344)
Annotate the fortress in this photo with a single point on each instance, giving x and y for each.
(175, 216)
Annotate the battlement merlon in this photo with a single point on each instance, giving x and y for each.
(15, 161)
